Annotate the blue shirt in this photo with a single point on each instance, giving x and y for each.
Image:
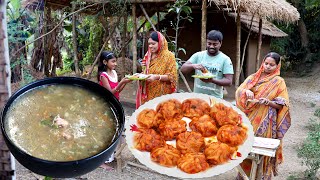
(217, 65)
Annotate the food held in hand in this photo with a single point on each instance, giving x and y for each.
(193, 163)
(190, 142)
(204, 70)
(205, 125)
(232, 135)
(218, 153)
(166, 156)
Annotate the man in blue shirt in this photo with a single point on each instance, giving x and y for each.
(213, 60)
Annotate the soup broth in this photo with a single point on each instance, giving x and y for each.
(61, 123)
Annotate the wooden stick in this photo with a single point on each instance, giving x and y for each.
(245, 45)
(259, 45)
(145, 14)
(242, 173)
(134, 38)
(238, 49)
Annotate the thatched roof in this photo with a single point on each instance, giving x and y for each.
(279, 10)
(268, 29)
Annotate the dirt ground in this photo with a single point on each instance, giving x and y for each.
(304, 92)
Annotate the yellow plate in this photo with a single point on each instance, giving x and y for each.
(203, 76)
(137, 77)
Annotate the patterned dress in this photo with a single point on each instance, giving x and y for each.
(267, 121)
(163, 64)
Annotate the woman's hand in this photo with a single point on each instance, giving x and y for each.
(153, 77)
(264, 101)
(249, 94)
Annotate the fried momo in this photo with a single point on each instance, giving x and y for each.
(193, 163)
(195, 107)
(147, 118)
(190, 142)
(218, 153)
(169, 130)
(166, 156)
(232, 135)
(170, 110)
(205, 125)
(147, 139)
(224, 115)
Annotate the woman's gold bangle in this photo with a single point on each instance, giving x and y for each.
(159, 77)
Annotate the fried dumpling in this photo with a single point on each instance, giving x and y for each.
(190, 142)
(195, 107)
(147, 118)
(193, 163)
(169, 130)
(170, 110)
(218, 153)
(147, 139)
(205, 125)
(232, 135)
(166, 156)
(224, 115)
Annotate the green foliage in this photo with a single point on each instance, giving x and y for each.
(309, 150)
(300, 58)
(183, 13)
(317, 112)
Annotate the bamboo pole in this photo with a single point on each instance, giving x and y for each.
(123, 48)
(147, 16)
(204, 25)
(238, 49)
(134, 38)
(259, 45)
(74, 41)
(245, 45)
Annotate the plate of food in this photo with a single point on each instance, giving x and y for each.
(189, 135)
(203, 76)
(137, 76)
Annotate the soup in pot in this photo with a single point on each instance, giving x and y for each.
(61, 123)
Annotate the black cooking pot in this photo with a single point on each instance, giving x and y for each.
(70, 168)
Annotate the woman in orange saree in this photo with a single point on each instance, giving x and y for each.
(269, 113)
(160, 64)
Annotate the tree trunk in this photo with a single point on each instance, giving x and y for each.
(238, 56)
(134, 39)
(259, 45)
(124, 49)
(74, 40)
(204, 25)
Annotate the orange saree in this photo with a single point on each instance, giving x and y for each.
(163, 64)
(267, 121)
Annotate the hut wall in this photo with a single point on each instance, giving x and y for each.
(252, 53)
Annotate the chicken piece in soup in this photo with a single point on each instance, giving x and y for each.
(61, 123)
